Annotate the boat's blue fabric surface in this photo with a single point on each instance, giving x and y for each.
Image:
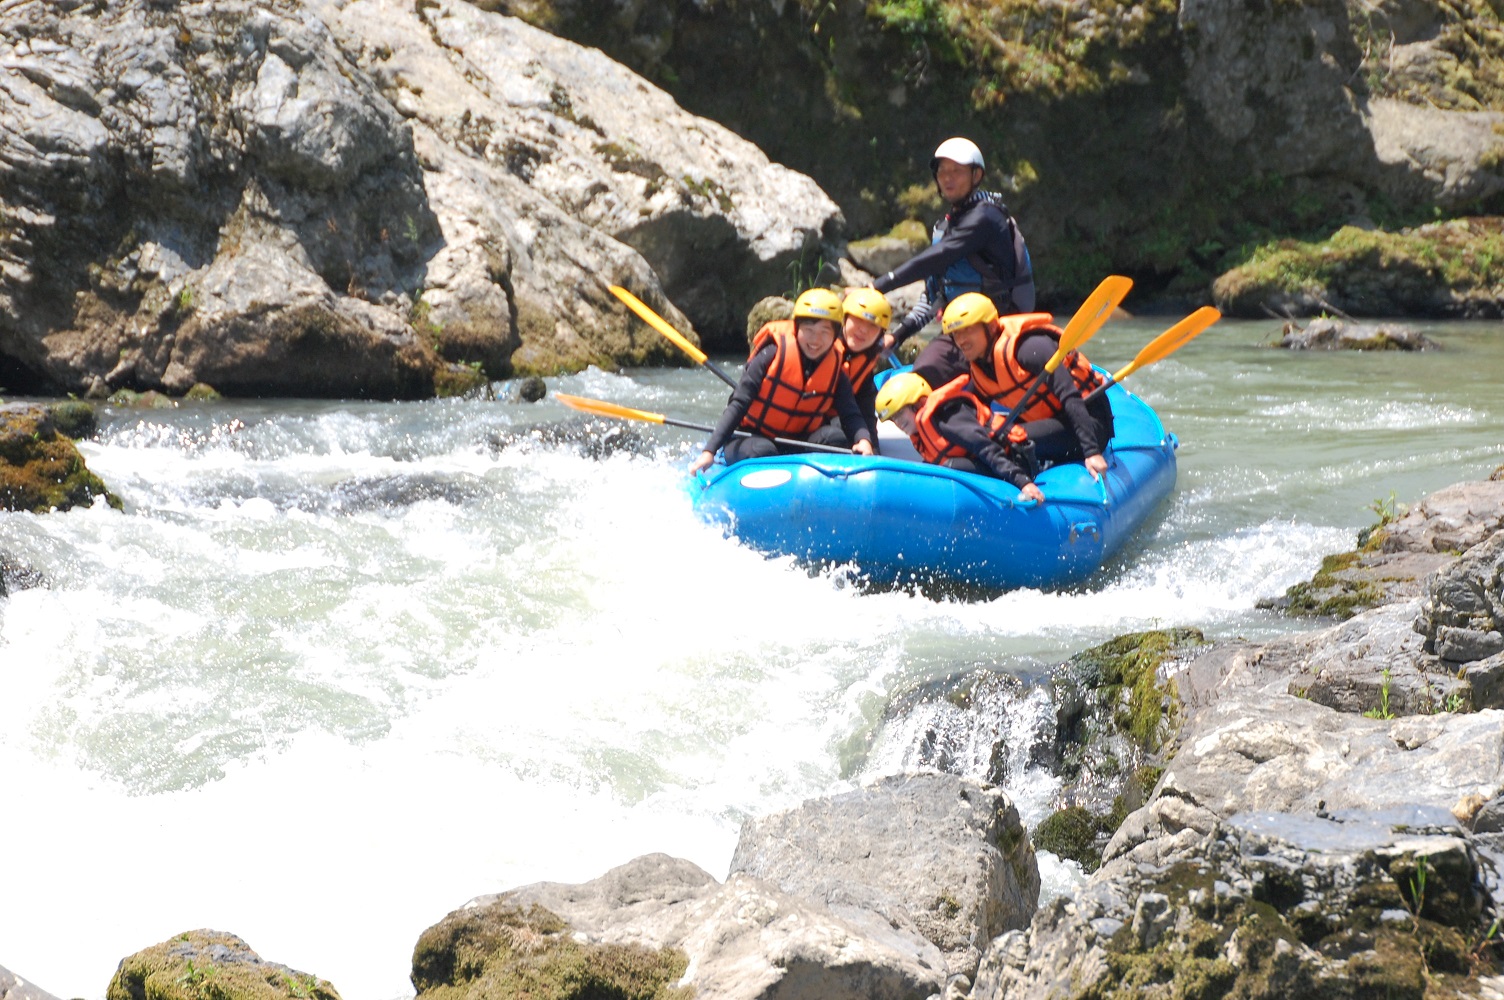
(897, 521)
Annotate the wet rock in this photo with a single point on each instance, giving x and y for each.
(594, 439)
(41, 469)
(743, 938)
(206, 962)
(13, 987)
(531, 389)
(75, 419)
(16, 575)
(1338, 335)
(932, 853)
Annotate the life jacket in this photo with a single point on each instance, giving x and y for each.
(859, 365)
(786, 403)
(1008, 381)
(933, 446)
(1009, 284)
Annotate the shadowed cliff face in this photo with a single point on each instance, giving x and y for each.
(1156, 138)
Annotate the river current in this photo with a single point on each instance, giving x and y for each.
(340, 667)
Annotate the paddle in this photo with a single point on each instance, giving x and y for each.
(1163, 346)
(658, 323)
(1081, 328)
(605, 409)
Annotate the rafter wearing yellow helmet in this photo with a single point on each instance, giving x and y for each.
(793, 383)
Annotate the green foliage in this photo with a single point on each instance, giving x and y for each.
(1383, 711)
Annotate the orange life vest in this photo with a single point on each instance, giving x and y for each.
(786, 403)
(1009, 379)
(933, 446)
(859, 365)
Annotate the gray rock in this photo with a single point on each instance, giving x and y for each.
(881, 254)
(1337, 335)
(13, 987)
(745, 938)
(1451, 520)
(935, 853)
(545, 118)
(1462, 613)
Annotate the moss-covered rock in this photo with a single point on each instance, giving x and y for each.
(200, 392)
(211, 965)
(1123, 675)
(40, 469)
(766, 310)
(74, 418)
(1453, 268)
(499, 950)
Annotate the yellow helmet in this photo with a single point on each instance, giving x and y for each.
(973, 307)
(819, 303)
(869, 304)
(903, 389)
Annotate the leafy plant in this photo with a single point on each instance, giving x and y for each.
(1382, 711)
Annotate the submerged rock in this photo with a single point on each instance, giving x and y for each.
(1337, 335)
(202, 963)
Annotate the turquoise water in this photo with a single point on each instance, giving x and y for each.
(340, 667)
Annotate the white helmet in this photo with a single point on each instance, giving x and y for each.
(963, 151)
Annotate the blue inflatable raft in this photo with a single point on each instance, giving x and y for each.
(898, 521)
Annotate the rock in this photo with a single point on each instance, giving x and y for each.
(16, 575)
(1462, 613)
(200, 392)
(881, 254)
(743, 939)
(75, 419)
(933, 853)
(1337, 335)
(766, 310)
(1451, 520)
(255, 198)
(41, 469)
(713, 217)
(531, 389)
(1441, 269)
(206, 962)
(13, 987)
(1264, 904)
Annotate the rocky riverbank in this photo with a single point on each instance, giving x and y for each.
(1319, 815)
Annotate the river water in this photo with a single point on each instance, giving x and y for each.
(341, 667)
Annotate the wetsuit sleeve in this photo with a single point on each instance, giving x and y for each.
(866, 402)
(852, 422)
(923, 311)
(1034, 352)
(957, 423)
(975, 230)
(741, 398)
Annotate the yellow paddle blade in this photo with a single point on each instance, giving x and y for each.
(605, 409)
(657, 322)
(1089, 318)
(1171, 340)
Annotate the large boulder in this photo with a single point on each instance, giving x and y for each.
(941, 855)
(719, 224)
(743, 939)
(355, 199)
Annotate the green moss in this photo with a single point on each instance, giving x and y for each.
(502, 950)
(1132, 662)
(210, 965)
(41, 470)
(1070, 833)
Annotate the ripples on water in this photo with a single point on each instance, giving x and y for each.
(343, 666)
